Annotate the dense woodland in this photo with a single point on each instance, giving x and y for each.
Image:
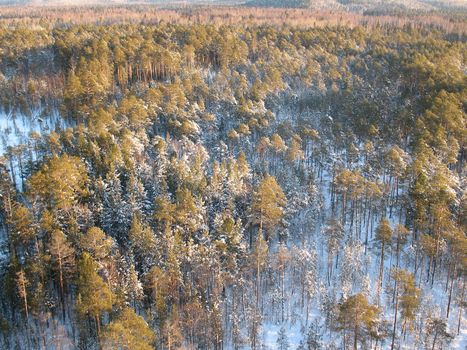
(234, 186)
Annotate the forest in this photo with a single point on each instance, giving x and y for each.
(232, 178)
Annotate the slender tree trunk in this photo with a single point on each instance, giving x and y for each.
(434, 340)
(98, 327)
(395, 319)
(344, 204)
(62, 292)
(450, 296)
(461, 309)
(23, 293)
(282, 292)
(355, 344)
(428, 274)
(367, 225)
(381, 271)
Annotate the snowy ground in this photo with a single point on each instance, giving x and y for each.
(460, 342)
(271, 331)
(16, 127)
(297, 331)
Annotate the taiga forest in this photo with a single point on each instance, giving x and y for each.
(227, 175)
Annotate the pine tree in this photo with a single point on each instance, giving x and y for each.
(63, 255)
(383, 238)
(407, 296)
(294, 151)
(171, 332)
(93, 295)
(22, 228)
(400, 237)
(259, 257)
(127, 331)
(334, 233)
(268, 205)
(22, 284)
(436, 332)
(60, 183)
(358, 316)
(143, 244)
(164, 212)
(97, 244)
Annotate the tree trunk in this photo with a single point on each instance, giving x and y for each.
(282, 293)
(344, 204)
(461, 308)
(381, 271)
(450, 296)
(434, 341)
(395, 319)
(62, 293)
(355, 338)
(98, 326)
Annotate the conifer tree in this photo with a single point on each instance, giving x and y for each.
(22, 284)
(60, 183)
(334, 233)
(143, 243)
(115, 216)
(436, 333)
(268, 205)
(93, 295)
(97, 244)
(407, 297)
(22, 228)
(63, 255)
(358, 316)
(383, 238)
(127, 331)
